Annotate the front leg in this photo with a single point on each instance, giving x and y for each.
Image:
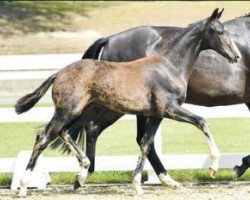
(153, 158)
(151, 126)
(176, 112)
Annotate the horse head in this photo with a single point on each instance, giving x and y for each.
(218, 39)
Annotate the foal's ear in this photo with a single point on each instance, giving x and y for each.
(220, 13)
(214, 14)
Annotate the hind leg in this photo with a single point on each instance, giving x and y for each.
(82, 159)
(42, 141)
(70, 142)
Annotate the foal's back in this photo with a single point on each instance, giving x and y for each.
(123, 85)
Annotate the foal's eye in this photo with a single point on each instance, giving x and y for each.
(220, 32)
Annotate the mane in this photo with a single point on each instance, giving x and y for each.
(246, 15)
(179, 35)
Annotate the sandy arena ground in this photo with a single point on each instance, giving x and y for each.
(204, 191)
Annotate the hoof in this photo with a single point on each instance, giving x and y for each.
(138, 188)
(22, 193)
(237, 173)
(178, 186)
(212, 173)
(139, 191)
(79, 181)
(76, 184)
(239, 170)
(166, 180)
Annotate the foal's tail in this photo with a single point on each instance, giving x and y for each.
(28, 101)
(94, 50)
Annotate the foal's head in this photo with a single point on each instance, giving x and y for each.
(217, 38)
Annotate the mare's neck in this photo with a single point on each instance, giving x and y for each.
(183, 51)
(239, 29)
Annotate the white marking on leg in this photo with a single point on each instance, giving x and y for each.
(83, 175)
(137, 184)
(24, 182)
(214, 154)
(168, 181)
(214, 151)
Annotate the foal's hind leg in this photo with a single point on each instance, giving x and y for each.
(178, 113)
(82, 159)
(42, 141)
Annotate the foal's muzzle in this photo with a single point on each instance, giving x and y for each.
(235, 59)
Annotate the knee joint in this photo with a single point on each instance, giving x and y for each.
(202, 124)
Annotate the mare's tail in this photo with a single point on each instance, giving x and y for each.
(77, 135)
(94, 50)
(28, 101)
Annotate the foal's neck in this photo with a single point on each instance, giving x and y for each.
(183, 51)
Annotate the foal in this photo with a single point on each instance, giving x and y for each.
(154, 87)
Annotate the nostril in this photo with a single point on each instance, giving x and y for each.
(237, 57)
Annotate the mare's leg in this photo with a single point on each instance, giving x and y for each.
(178, 113)
(152, 155)
(103, 120)
(240, 170)
(151, 126)
(42, 141)
(91, 139)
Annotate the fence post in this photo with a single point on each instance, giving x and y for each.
(152, 176)
(40, 176)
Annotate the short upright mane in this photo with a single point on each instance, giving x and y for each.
(246, 15)
(179, 35)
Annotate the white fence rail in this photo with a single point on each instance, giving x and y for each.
(34, 66)
(41, 66)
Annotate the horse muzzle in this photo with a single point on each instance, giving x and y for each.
(235, 59)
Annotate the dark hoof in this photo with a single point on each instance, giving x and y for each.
(76, 184)
(236, 172)
(239, 170)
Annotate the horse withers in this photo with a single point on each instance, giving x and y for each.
(157, 90)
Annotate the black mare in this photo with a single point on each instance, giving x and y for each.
(214, 81)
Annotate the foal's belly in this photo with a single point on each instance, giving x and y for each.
(123, 97)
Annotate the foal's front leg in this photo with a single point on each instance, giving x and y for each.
(152, 156)
(145, 145)
(178, 113)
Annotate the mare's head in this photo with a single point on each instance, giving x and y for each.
(218, 39)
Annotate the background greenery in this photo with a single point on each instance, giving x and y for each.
(119, 139)
(71, 26)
